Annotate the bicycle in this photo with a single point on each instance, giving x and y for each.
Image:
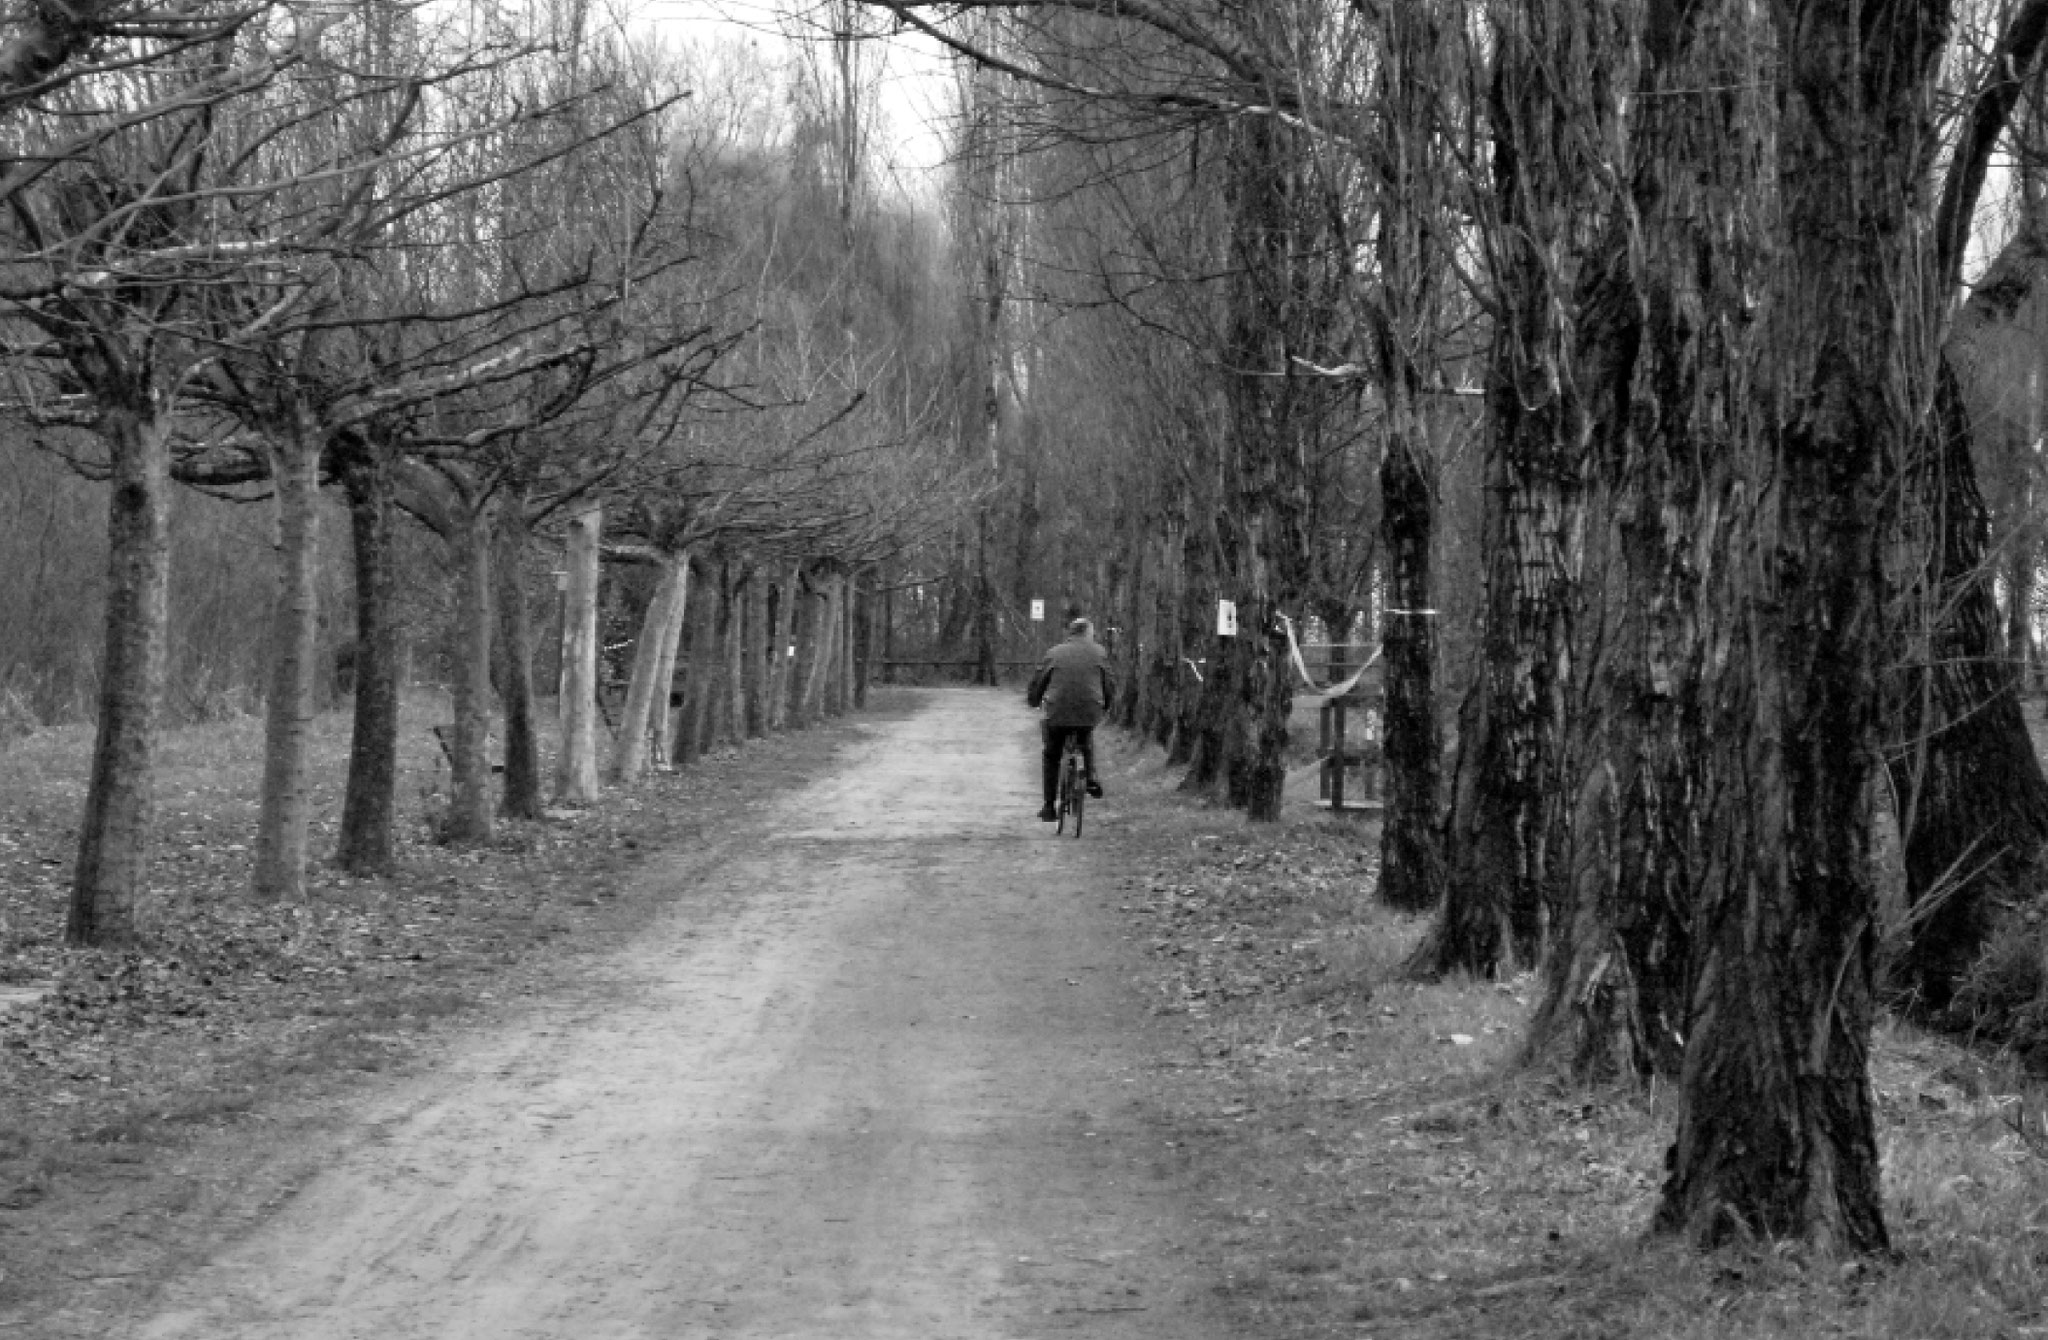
(1073, 785)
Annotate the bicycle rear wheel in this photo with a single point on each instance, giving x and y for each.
(1080, 800)
(1066, 801)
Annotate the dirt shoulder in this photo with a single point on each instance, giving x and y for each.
(155, 1104)
(883, 1065)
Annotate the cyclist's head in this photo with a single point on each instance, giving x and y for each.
(1080, 628)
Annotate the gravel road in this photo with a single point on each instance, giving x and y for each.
(881, 1074)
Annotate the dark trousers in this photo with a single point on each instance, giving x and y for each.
(1055, 744)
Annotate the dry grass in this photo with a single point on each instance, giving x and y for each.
(1382, 1170)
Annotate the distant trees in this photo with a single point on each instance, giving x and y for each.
(473, 283)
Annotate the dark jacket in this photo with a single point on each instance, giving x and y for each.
(1074, 683)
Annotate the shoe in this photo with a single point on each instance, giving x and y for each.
(1094, 789)
(1049, 814)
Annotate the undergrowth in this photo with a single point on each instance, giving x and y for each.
(1390, 1172)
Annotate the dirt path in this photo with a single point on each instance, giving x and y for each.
(888, 1084)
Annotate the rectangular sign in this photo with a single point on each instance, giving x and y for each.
(1226, 618)
(1038, 611)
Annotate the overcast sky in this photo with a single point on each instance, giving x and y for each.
(913, 79)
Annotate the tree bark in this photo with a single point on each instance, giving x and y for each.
(734, 646)
(1776, 1129)
(1662, 351)
(117, 831)
(861, 645)
(2021, 646)
(521, 796)
(781, 645)
(839, 686)
(367, 843)
(646, 697)
(281, 827)
(1972, 801)
(665, 670)
(576, 781)
(1411, 844)
(469, 798)
(700, 618)
(757, 651)
(1555, 68)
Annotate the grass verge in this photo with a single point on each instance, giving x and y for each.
(1381, 1169)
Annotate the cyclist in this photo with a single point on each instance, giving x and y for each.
(1076, 688)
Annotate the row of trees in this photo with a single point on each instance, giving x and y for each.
(1651, 308)
(518, 280)
(1604, 353)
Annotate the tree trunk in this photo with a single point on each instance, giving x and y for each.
(809, 649)
(757, 651)
(700, 619)
(1169, 672)
(367, 844)
(521, 797)
(782, 635)
(117, 831)
(839, 681)
(281, 826)
(2021, 646)
(1776, 1130)
(862, 642)
(576, 781)
(1411, 850)
(1972, 801)
(665, 671)
(734, 646)
(1555, 68)
(646, 696)
(1663, 351)
(469, 798)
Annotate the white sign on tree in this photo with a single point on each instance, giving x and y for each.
(1226, 618)
(1038, 611)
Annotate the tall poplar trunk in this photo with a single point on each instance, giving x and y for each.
(368, 838)
(469, 798)
(1663, 355)
(1776, 1126)
(1282, 294)
(1555, 126)
(576, 780)
(282, 823)
(521, 797)
(1411, 844)
(117, 831)
(1168, 673)
(1972, 800)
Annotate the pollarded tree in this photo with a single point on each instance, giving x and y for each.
(106, 256)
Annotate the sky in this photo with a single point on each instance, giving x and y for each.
(913, 78)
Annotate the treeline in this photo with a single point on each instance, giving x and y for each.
(1612, 361)
(380, 338)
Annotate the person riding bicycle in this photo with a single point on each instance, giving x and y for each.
(1076, 688)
